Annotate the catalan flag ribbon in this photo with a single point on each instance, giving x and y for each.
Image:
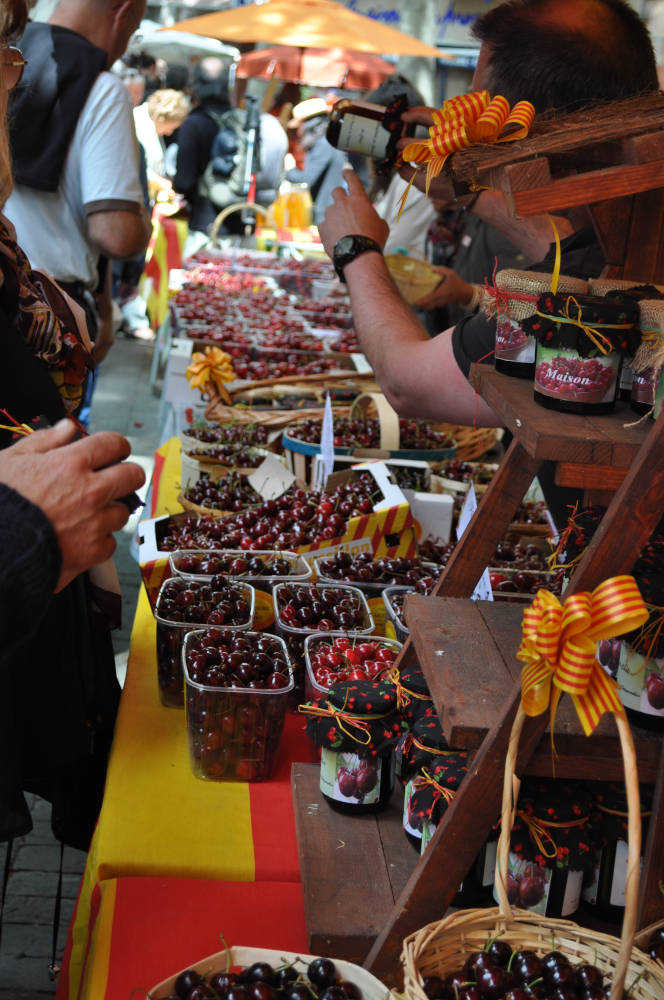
(558, 648)
(464, 121)
(214, 367)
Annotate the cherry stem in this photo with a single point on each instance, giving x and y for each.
(141, 991)
(509, 964)
(227, 951)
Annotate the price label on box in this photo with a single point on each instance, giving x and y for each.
(482, 591)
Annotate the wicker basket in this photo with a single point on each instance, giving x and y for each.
(472, 442)
(442, 947)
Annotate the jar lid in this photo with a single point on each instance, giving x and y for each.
(363, 697)
(413, 680)
(433, 788)
(611, 805)
(530, 285)
(552, 825)
(428, 734)
(581, 322)
(555, 801)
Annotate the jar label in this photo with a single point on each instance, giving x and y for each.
(643, 387)
(428, 830)
(591, 889)
(409, 822)
(641, 682)
(626, 375)
(659, 394)
(529, 886)
(489, 866)
(512, 344)
(348, 778)
(617, 897)
(363, 135)
(563, 374)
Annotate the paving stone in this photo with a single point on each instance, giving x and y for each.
(25, 976)
(36, 910)
(40, 883)
(46, 857)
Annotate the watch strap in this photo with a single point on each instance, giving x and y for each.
(348, 248)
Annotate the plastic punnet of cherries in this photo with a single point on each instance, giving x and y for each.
(500, 973)
(261, 981)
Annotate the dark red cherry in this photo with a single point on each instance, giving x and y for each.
(433, 987)
(500, 952)
(186, 982)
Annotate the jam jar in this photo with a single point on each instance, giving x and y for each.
(581, 341)
(431, 793)
(413, 697)
(550, 847)
(604, 884)
(422, 746)
(357, 726)
(516, 301)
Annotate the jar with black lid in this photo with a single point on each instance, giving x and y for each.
(357, 726)
(604, 884)
(550, 847)
(373, 130)
(431, 794)
(581, 340)
(413, 696)
(422, 746)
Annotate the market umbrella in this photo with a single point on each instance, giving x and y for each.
(305, 23)
(316, 67)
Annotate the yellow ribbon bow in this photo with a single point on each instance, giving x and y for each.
(463, 121)
(214, 366)
(558, 648)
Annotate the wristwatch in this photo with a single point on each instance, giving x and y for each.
(350, 247)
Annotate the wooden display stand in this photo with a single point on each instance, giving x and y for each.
(467, 651)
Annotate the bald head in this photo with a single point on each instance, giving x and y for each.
(108, 24)
(562, 54)
(211, 80)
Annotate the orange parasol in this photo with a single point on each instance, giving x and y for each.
(306, 23)
(316, 67)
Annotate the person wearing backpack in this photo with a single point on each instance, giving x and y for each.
(196, 135)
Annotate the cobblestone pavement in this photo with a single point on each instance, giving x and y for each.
(123, 402)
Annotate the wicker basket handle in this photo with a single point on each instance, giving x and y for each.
(388, 418)
(510, 793)
(225, 212)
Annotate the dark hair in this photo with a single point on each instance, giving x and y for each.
(177, 77)
(210, 80)
(562, 55)
(13, 17)
(393, 85)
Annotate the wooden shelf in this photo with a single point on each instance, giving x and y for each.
(353, 868)
(547, 435)
(467, 650)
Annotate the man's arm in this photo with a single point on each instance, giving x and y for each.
(419, 376)
(120, 233)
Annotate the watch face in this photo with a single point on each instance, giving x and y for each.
(345, 245)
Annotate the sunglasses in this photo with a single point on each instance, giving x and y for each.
(13, 63)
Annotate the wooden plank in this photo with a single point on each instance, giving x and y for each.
(494, 513)
(549, 435)
(588, 476)
(468, 687)
(645, 237)
(611, 220)
(651, 904)
(462, 663)
(643, 148)
(585, 188)
(353, 868)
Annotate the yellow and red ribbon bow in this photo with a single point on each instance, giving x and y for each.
(463, 121)
(214, 366)
(558, 648)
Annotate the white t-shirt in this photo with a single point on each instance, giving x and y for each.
(150, 140)
(100, 173)
(411, 230)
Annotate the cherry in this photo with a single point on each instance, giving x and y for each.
(433, 987)
(500, 952)
(526, 965)
(186, 982)
(322, 972)
(351, 990)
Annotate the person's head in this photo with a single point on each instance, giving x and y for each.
(563, 54)
(167, 109)
(211, 80)
(177, 77)
(106, 23)
(391, 87)
(13, 17)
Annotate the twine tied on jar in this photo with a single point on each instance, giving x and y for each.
(539, 830)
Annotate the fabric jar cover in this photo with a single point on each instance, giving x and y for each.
(532, 283)
(422, 747)
(561, 321)
(610, 811)
(545, 806)
(649, 358)
(413, 697)
(355, 717)
(426, 801)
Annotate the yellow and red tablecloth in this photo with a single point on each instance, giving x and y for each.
(159, 825)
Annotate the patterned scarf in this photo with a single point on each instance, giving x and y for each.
(51, 324)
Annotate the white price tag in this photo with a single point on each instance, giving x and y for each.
(483, 590)
(271, 478)
(327, 440)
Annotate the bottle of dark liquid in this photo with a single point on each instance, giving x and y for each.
(370, 129)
